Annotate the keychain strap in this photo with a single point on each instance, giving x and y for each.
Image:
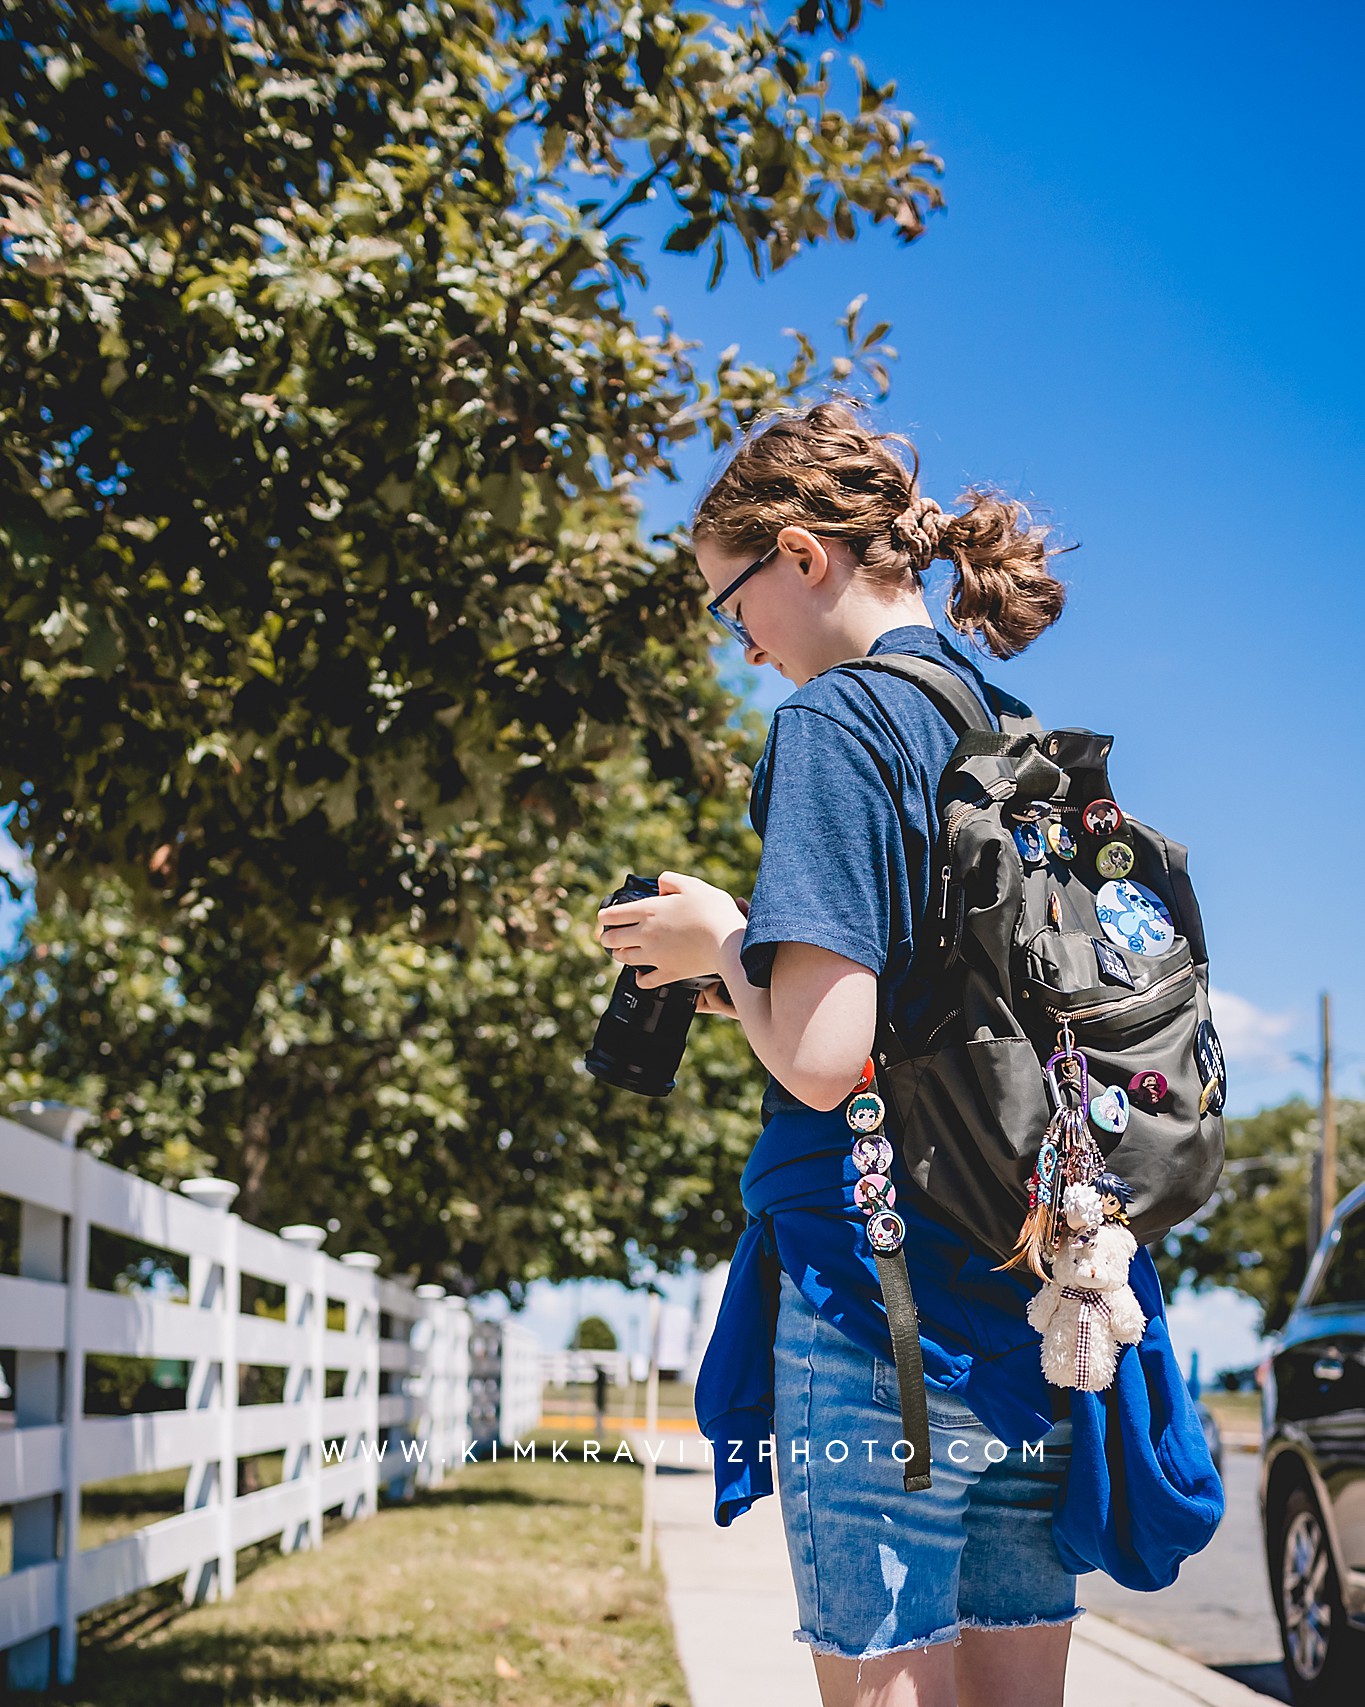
(903, 1320)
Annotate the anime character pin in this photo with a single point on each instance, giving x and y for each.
(1115, 859)
(1147, 1088)
(866, 1112)
(872, 1155)
(1060, 840)
(1131, 916)
(874, 1192)
(1109, 1109)
(886, 1232)
(1028, 838)
(1101, 817)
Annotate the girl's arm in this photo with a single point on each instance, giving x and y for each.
(812, 1028)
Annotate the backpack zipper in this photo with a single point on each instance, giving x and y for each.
(942, 1025)
(955, 820)
(1123, 1004)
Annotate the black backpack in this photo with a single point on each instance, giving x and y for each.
(1062, 928)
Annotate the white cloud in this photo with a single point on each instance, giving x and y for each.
(1251, 1037)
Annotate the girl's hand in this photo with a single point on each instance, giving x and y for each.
(678, 932)
(710, 1001)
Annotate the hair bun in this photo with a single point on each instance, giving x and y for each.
(919, 529)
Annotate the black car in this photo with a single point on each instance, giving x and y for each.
(1313, 1470)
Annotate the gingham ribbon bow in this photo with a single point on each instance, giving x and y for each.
(1092, 1304)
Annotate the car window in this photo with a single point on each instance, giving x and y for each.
(1343, 1280)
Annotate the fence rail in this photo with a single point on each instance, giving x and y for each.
(406, 1409)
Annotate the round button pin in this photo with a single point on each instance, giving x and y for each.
(886, 1232)
(1208, 1056)
(1147, 1088)
(1031, 812)
(866, 1112)
(1115, 859)
(874, 1192)
(1028, 838)
(1102, 817)
(866, 1077)
(1060, 839)
(872, 1155)
(1133, 917)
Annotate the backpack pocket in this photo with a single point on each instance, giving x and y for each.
(1170, 1153)
(969, 1118)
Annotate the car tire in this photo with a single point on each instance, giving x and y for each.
(1322, 1653)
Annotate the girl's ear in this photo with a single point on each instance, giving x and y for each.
(812, 557)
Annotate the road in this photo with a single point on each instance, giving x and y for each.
(1219, 1611)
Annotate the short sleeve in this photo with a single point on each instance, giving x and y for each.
(833, 845)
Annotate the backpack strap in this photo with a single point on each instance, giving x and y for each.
(949, 694)
(1013, 716)
(943, 688)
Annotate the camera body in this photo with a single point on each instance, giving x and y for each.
(641, 1036)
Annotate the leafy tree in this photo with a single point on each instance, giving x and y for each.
(594, 1334)
(322, 418)
(429, 1098)
(1253, 1234)
(325, 614)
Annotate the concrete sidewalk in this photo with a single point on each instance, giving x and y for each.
(733, 1608)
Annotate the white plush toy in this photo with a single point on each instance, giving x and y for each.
(1087, 1310)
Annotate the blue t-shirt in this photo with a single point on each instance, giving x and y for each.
(843, 799)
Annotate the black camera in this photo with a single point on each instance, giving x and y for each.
(641, 1036)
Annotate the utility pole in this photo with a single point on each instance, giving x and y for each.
(1325, 1169)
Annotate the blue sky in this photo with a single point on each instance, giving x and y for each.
(1141, 311)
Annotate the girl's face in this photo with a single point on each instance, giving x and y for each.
(786, 604)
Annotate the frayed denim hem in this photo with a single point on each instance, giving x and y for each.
(1023, 1624)
(818, 1645)
(949, 1633)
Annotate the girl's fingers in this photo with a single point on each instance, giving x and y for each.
(624, 913)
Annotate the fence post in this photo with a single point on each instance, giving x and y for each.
(651, 1430)
(459, 1406)
(364, 1321)
(431, 1338)
(306, 1307)
(41, 1396)
(215, 1288)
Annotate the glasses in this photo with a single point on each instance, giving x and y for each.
(727, 619)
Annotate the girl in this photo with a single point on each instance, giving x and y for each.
(814, 541)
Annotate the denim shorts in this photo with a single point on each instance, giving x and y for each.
(879, 1569)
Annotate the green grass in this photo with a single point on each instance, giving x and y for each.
(515, 1585)
(675, 1400)
(1241, 1411)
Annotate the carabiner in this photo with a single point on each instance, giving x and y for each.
(1080, 1070)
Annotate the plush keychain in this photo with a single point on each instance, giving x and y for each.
(1087, 1310)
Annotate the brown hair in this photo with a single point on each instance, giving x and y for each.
(826, 471)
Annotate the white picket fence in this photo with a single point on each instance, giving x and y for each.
(338, 1451)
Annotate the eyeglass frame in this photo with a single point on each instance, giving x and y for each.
(732, 624)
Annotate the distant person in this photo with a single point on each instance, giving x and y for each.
(599, 1399)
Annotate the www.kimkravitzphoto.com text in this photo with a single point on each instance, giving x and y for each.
(684, 1449)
